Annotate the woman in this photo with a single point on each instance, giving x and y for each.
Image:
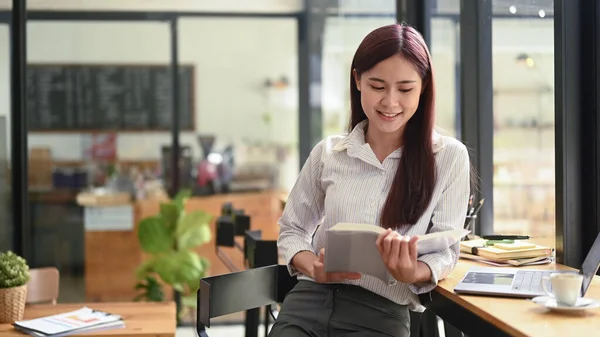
(393, 170)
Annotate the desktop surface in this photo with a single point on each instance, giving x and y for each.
(522, 317)
(142, 319)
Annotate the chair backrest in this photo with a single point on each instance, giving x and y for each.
(43, 285)
(240, 291)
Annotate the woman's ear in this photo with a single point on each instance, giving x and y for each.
(356, 79)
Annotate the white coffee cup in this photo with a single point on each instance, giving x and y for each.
(566, 287)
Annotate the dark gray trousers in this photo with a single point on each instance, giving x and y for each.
(336, 310)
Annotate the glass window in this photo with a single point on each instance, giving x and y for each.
(445, 54)
(245, 97)
(6, 223)
(97, 96)
(342, 34)
(523, 74)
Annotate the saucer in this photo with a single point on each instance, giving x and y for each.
(581, 305)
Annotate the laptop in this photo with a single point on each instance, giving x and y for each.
(524, 283)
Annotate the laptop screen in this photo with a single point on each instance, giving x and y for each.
(590, 265)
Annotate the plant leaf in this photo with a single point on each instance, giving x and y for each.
(154, 292)
(191, 267)
(192, 220)
(205, 263)
(178, 287)
(166, 267)
(179, 267)
(193, 237)
(140, 286)
(181, 198)
(154, 236)
(170, 214)
(147, 267)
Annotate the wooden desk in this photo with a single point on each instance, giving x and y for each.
(142, 319)
(495, 316)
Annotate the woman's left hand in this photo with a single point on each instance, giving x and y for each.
(399, 253)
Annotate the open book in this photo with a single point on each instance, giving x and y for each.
(350, 247)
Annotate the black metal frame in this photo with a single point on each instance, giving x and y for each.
(311, 26)
(477, 101)
(577, 98)
(18, 127)
(418, 14)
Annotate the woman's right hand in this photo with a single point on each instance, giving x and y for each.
(320, 276)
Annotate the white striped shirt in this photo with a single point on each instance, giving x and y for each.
(343, 181)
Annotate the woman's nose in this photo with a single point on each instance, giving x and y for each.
(390, 100)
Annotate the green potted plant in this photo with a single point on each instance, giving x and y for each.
(14, 275)
(171, 238)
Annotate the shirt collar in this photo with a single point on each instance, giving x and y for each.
(355, 141)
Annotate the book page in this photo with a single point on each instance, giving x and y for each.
(357, 227)
(438, 241)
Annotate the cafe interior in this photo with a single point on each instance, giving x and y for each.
(110, 109)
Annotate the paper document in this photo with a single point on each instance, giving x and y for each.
(84, 319)
(351, 247)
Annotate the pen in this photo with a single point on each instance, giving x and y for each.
(476, 210)
(470, 209)
(505, 237)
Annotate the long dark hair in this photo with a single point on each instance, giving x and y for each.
(415, 178)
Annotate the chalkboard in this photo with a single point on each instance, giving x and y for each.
(100, 98)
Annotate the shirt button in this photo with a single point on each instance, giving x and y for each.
(382, 173)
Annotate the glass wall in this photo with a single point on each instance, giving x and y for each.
(98, 101)
(6, 222)
(445, 54)
(246, 102)
(343, 33)
(523, 74)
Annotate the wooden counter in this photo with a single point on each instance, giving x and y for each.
(522, 317)
(118, 253)
(142, 319)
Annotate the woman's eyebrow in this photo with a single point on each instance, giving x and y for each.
(397, 82)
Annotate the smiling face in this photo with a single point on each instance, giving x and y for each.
(389, 94)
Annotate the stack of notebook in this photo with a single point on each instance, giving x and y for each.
(514, 253)
(69, 323)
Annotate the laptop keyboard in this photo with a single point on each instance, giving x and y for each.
(531, 281)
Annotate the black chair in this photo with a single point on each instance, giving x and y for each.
(242, 291)
(266, 287)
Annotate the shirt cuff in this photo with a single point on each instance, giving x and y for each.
(432, 261)
(293, 248)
